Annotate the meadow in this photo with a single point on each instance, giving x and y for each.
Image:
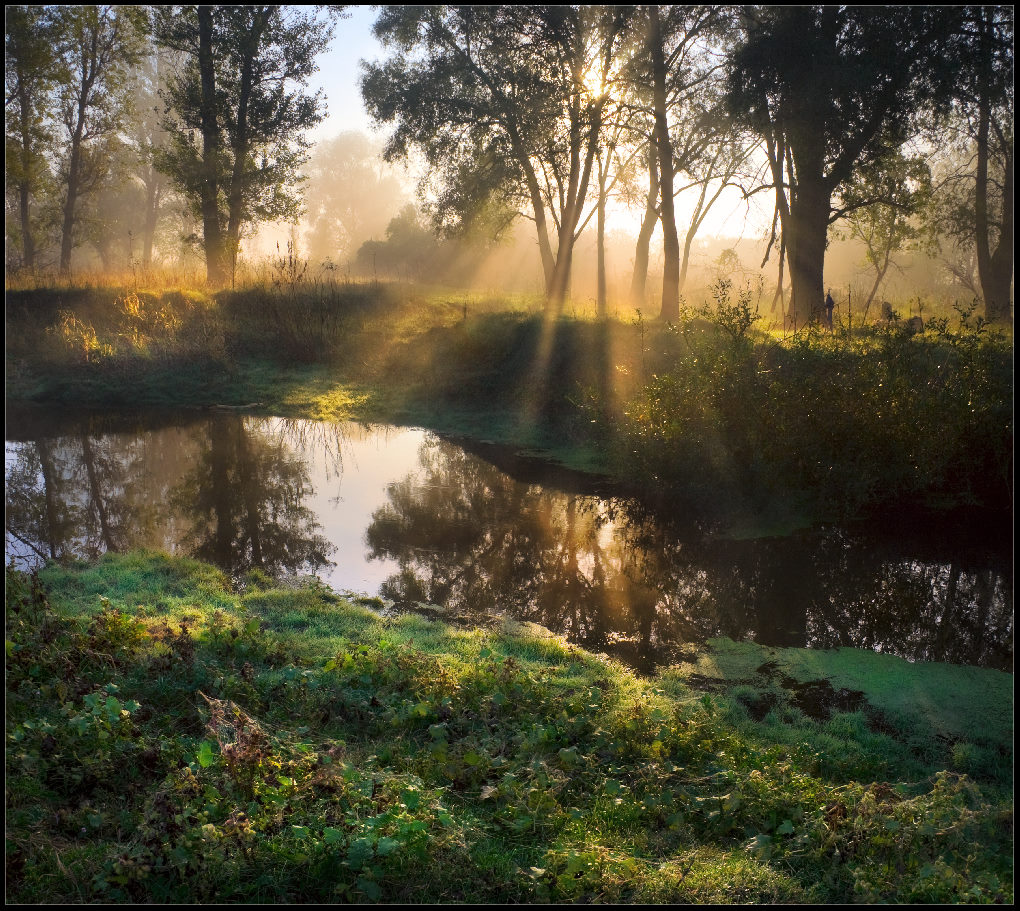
(177, 736)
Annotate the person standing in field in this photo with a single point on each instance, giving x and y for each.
(830, 305)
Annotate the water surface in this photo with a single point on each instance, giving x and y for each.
(420, 519)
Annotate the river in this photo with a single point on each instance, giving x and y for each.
(418, 519)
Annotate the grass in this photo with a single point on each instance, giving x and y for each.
(713, 415)
(174, 738)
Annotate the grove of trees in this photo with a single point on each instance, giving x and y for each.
(893, 125)
(110, 109)
(514, 109)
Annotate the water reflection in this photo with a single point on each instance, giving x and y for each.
(443, 526)
(243, 502)
(611, 577)
(223, 489)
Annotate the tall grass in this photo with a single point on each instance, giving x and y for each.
(713, 412)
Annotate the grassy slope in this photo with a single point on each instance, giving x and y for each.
(170, 738)
(738, 425)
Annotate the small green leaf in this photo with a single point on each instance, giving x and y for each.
(568, 756)
(386, 846)
(786, 828)
(359, 853)
(205, 755)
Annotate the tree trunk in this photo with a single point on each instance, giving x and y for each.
(670, 240)
(995, 268)
(153, 193)
(73, 179)
(809, 223)
(27, 242)
(879, 275)
(640, 277)
(685, 262)
(212, 235)
(577, 192)
(535, 192)
(235, 199)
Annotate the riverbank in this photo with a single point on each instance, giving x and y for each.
(174, 737)
(712, 415)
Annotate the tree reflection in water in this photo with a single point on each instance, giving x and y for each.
(238, 491)
(244, 498)
(614, 578)
(227, 489)
(78, 496)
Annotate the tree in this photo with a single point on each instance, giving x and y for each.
(241, 87)
(351, 195)
(499, 100)
(409, 246)
(147, 137)
(884, 202)
(101, 44)
(649, 217)
(713, 155)
(32, 68)
(831, 89)
(671, 58)
(116, 213)
(976, 205)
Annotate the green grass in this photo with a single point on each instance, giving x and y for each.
(711, 415)
(174, 738)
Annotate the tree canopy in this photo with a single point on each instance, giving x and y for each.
(831, 90)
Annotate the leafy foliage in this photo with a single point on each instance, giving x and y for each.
(250, 108)
(837, 423)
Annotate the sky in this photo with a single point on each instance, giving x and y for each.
(339, 70)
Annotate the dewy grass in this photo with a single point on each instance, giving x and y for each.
(173, 737)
